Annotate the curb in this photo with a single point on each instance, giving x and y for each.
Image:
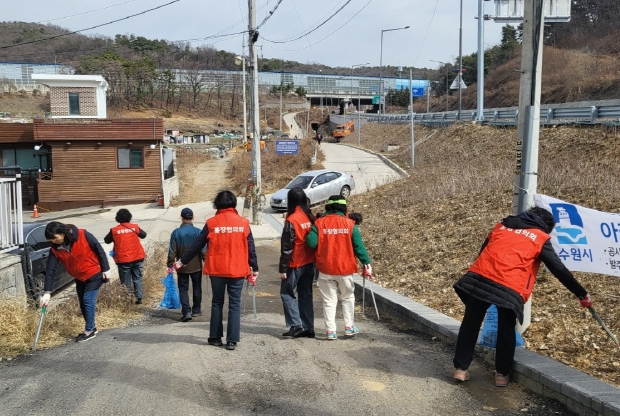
(403, 173)
(578, 391)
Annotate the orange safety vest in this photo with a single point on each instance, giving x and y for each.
(510, 258)
(127, 245)
(334, 251)
(302, 254)
(81, 262)
(227, 245)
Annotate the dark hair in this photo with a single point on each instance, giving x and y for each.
(545, 216)
(357, 217)
(225, 199)
(123, 215)
(56, 227)
(296, 197)
(336, 207)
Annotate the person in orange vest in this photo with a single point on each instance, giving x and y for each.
(338, 242)
(503, 275)
(296, 266)
(128, 252)
(230, 258)
(84, 258)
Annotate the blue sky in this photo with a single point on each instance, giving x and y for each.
(433, 35)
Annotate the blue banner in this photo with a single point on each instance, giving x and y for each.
(287, 147)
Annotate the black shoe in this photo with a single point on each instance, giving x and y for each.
(83, 337)
(139, 301)
(217, 342)
(95, 330)
(293, 331)
(304, 334)
(197, 313)
(231, 345)
(186, 317)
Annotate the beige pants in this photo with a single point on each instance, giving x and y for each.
(330, 286)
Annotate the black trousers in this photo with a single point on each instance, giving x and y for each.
(196, 279)
(475, 311)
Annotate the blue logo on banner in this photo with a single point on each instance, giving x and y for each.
(569, 225)
(417, 92)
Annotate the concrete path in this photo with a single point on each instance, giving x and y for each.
(289, 120)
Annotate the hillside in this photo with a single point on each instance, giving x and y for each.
(429, 227)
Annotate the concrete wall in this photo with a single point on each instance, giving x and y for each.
(170, 189)
(11, 276)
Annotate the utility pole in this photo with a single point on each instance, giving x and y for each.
(480, 115)
(460, 80)
(528, 127)
(411, 115)
(255, 115)
(281, 85)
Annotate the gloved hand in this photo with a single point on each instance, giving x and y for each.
(45, 299)
(177, 265)
(252, 278)
(282, 276)
(586, 302)
(106, 276)
(169, 270)
(367, 272)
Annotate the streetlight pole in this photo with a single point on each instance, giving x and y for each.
(447, 86)
(321, 93)
(241, 60)
(460, 62)
(281, 85)
(359, 117)
(381, 102)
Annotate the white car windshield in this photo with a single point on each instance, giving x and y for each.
(300, 182)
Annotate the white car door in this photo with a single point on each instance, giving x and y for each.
(319, 189)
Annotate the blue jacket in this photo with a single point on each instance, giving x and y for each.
(180, 242)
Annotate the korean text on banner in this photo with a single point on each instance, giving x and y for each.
(585, 239)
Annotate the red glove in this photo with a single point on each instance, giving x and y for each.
(252, 278)
(177, 265)
(169, 270)
(367, 272)
(586, 302)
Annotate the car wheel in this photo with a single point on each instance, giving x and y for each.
(345, 191)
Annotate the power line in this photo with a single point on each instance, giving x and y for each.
(90, 11)
(302, 26)
(426, 34)
(94, 27)
(326, 37)
(269, 14)
(316, 28)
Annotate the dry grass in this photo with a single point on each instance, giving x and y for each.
(424, 239)
(277, 170)
(115, 308)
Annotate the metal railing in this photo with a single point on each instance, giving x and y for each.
(602, 112)
(11, 222)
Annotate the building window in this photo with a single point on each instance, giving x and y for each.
(74, 104)
(130, 158)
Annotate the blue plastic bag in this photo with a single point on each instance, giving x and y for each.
(488, 337)
(171, 295)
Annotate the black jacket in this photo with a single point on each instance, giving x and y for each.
(486, 290)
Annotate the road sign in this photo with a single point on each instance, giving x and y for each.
(375, 99)
(455, 84)
(417, 92)
(287, 147)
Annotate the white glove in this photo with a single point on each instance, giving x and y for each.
(45, 299)
(177, 265)
(282, 276)
(106, 276)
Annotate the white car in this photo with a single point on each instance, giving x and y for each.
(318, 185)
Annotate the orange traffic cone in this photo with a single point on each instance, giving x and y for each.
(35, 212)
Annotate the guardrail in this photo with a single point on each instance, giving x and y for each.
(601, 112)
(11, 222)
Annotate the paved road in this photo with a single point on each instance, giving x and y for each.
(163, 366)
